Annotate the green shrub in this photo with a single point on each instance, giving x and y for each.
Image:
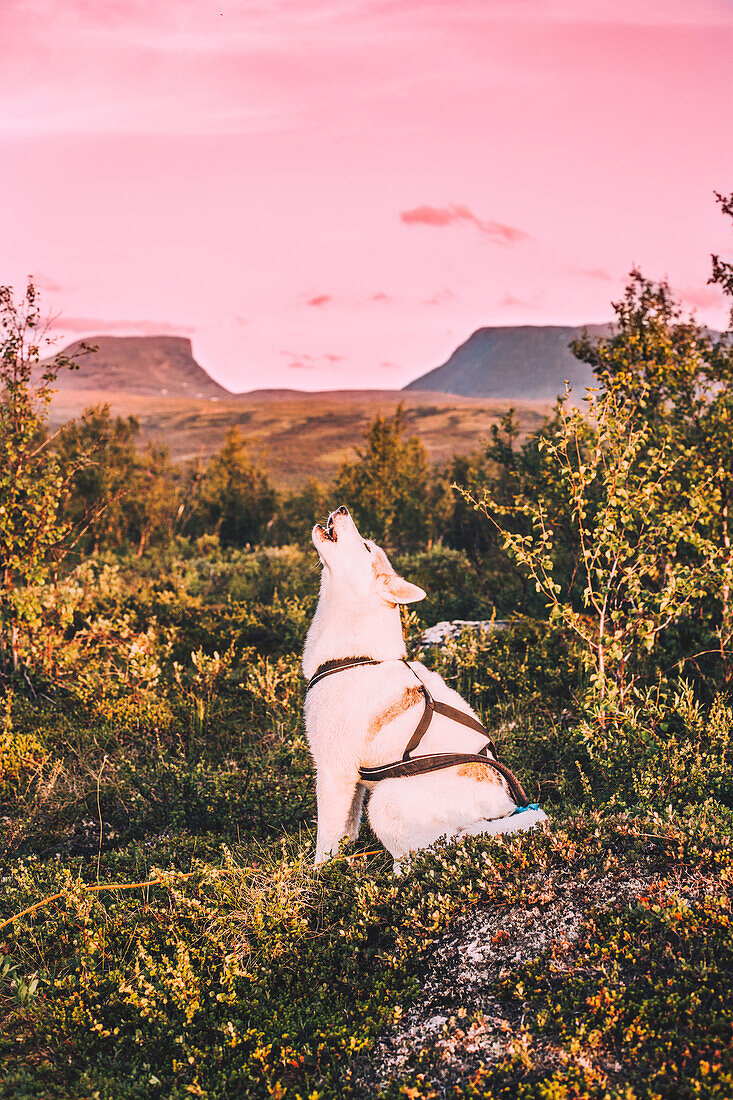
(652, 985)
(526, 667)
(662, 747)
(455, 587)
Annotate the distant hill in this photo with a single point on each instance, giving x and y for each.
(161, 365)
(526, 362)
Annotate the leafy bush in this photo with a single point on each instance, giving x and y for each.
(527, 667)
(661, 748)
(21, 754)
(455, 588)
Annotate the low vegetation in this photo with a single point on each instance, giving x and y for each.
(299, 436)
(162, 930)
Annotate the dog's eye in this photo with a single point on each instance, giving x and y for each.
(367, 547)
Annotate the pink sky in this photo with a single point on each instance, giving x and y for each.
(336, 193)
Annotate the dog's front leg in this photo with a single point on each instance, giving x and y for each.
(335, 796)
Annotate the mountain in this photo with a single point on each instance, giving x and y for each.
(161, 365)
(528, 362)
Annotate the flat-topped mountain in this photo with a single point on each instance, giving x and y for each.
(528, 362)
(162, 365)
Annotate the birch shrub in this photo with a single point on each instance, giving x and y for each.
(32, 482)
(640, 556)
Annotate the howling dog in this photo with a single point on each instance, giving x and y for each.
(376, 721)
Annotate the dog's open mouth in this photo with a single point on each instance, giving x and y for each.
(329, 531)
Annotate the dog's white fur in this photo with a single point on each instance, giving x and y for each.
(353, 718)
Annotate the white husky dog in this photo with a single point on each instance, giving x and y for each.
(364, 716)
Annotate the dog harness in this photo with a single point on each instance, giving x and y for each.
(432, 762)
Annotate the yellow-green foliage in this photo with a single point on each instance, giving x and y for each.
(21, 752)
(170, 751)
(258, 976)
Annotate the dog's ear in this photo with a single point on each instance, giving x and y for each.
(397, 590)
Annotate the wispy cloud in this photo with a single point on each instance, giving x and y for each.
(254, 67)
(380, 296)
(298, 364)
(511, 301)
(47, 284)
(440, 298)
(101, 326)
(440, 216)
(295, 354)
(597, 273)
(319, 300)
(302, 360)
(701, 296)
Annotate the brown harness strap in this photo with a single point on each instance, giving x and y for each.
(434, 762)
(329, 667)
(431, 762)
(434, 706)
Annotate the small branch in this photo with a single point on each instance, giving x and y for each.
(362, 855)
(141, 885)
(88, 890)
